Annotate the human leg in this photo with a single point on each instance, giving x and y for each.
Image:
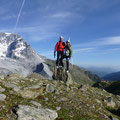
(61, 59)
(58, 56)
(67, 64)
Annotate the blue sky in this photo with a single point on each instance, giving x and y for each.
(92, 25)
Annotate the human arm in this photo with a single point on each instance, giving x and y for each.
(56, 47)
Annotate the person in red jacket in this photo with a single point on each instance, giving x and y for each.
(59, 47)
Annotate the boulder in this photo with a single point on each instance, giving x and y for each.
(35, 103)
(50, 88)
(30, 93)
(1, 76)
(61, 74)
(2, 89)
(2, 97)
(11, 85)
(110, 103)
(32, 113)
(69, 80)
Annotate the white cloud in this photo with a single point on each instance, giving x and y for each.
(83, 50)
(47, 21)
(61, 15)
(106, 41)
(7, 17)
(42, 37)
(106, 45)
(111, 40)
(36, 33)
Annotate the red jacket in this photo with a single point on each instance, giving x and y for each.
(59, 46)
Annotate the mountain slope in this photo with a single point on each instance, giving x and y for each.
(16, 56)
(112, 76)
(112, 87)
(78, 75)
(37, 98)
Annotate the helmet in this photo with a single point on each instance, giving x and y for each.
(61, 37)
(68, 41)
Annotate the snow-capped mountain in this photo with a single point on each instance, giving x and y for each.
(16, 56)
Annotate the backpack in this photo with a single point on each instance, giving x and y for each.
(59, 45)
(67, 50)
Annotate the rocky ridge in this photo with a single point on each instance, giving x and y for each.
(38, 98)
(78, 74)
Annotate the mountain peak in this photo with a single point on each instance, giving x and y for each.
(6, 43)
(19, 57)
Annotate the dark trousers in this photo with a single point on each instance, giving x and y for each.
(59, 61)
(67, 63)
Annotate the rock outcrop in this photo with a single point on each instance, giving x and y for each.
(31, 113)
(78, 74)
(38, 98)
(60, 74)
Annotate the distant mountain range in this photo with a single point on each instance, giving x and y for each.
(101, 71)
(112, 76)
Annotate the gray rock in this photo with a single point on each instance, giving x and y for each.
(63, 99)
(2, 97)
(30, 93)
(60, 74)
(98, 101)
(50, 88)
(109, 101)
(11, 85)
(35, 103)
(46, 99)
(35, 86)
(2, 89)
(2, 77)
(45, 71)
(57, 91)
(69, 79)
(58, 108)
(83, 88)
(32, 113)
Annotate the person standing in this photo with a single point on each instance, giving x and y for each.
(59, 47)
(68, 54)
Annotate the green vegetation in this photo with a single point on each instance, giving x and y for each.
(76, 102)
(109, 86)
